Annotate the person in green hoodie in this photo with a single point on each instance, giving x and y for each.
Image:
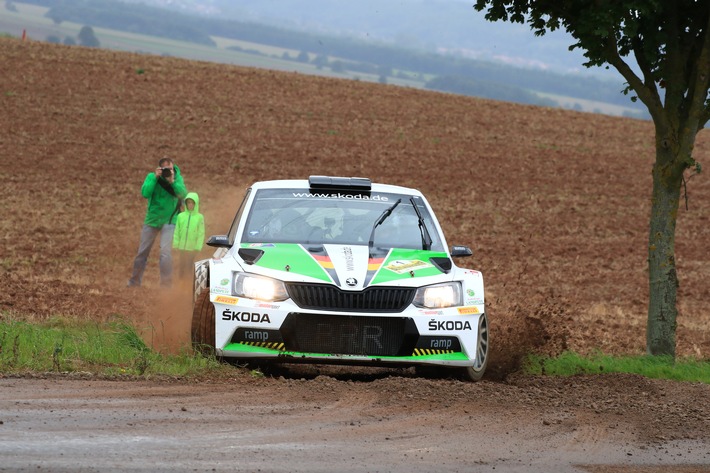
(164, 188)
(189, 235)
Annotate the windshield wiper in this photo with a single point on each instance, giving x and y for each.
(379, 221)
(426, 237)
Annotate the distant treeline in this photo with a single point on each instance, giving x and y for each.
(423, 62)
(456, 74)
(132, 18)
(466, 86)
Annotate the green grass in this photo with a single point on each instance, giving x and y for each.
(114, 348)
(663, 367)
(110, 348)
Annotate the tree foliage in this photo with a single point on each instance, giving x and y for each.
(662, 50)
(667, 40)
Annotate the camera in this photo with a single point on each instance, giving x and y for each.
(166, 172)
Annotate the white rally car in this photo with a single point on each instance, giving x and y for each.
(339, 270)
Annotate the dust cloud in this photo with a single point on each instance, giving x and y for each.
(165, 327)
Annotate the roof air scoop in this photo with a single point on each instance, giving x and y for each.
(359, 184)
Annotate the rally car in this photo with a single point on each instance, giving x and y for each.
(339, 270)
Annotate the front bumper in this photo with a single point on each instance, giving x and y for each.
(247, 329)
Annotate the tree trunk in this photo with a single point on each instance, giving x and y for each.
(663, 280)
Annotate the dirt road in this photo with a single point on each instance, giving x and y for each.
(380, 421)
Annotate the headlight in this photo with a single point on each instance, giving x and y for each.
(259, 287)
(439, 296)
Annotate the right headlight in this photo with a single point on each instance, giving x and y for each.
(439, 296)
(259, 287)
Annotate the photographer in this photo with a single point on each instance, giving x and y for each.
(164, 188)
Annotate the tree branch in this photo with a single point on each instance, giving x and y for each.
(674, 64)
(646, 68)
(646, 95)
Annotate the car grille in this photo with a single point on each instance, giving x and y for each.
(349, 335)
(372, 299)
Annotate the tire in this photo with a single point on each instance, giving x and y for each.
(475, 372)
(203, 328)
(201, 280)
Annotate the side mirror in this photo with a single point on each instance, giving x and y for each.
(219, 241)
(458, 250)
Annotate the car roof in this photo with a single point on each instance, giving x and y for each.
(304, 184)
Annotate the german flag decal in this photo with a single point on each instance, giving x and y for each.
(324, 261)
(373, 264)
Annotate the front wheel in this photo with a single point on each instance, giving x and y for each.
(475, 372)
(203, 328)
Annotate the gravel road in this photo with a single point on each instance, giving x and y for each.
(378, 422)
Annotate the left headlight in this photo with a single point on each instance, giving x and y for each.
(439, 296)
(259, 287)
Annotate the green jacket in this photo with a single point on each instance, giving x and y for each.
(162, 204)
(190, 227)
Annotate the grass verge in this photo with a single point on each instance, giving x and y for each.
(114, 348)
(663, 367)
(111, 348)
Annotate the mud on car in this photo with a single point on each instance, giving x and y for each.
(339, 270)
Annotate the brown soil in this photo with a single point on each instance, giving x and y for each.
(554, 203)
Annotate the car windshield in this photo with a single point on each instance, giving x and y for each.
(298, 216)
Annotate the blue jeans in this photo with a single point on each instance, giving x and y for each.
(148, 236)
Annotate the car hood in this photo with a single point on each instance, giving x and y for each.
(349, 267)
